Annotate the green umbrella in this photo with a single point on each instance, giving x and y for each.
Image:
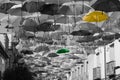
(63, 50)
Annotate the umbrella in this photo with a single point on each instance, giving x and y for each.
(88, 27)
(47, 26)
(112, 25)
(50, 9)
(16, 10)
(41, 48)
(113, 17)
(30, 25)
(58, 1)
(4, 1)
(67, 20)
(57, 35)
(74, 8)
(101, 42)
(11, 20)
(81, 33)
(17, 0)
(107, 5)
(4, 7)
(71, 56)
(63, 50)
(26, 52)
(90, 38)
(52, 55)
(45, 59)
(113, 36)
(95, 16)
(32, 6)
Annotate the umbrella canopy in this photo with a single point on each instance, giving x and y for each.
(113, 36)
(113, 16)
(81, 33)
(95, 16)
(18, 0)
(71, 56)
(48, 26)
(58, 1)
(30, 25)
(101, 42)
(74, 8)
(90, 38)
(67, 20)
(32, 6)
(50, 9)
(45, 59)
(58, 35)
(112, 26)
(88, 27)
(11, 20)
(41, 48)
(16, 10)
(26, 52)
(63, 50)
(52, 55)
(107, 5)
(4, 7)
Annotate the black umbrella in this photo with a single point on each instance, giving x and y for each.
(5, 7)
(81, 33)
(32, 6)
(50, 9)
(52, 55)
(90, 38)
(48, 26)
(41, 48)
(107, 5)
(26, 52)
(111, 36)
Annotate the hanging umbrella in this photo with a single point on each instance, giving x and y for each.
(32, 6)
(108, 36)
(88, 27)
(101, 42)
(107, 5)
(113, 17)
(58, 1)
(47, 26)
(74, 8)
(112, 26)
(16, 10)
(26, 52)
(30, 25)
(45, 39)
(52, 55)
(63, 50)
(38, 17)
(4, 7)
(4, 1)
(57, 35)
(45, 59)
(18, 0)
(95, 16)
(50, 9)
(11, 20)
(67, 20)
(81, 33)
(90, 38)
(41, 48)
(71, 56)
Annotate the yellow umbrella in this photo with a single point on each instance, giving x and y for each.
(95, 16)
